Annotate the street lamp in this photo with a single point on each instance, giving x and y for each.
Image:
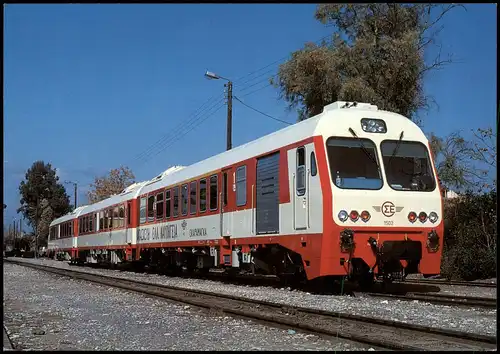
(212, 76)
(75, 185)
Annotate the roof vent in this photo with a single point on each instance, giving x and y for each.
(351, 105)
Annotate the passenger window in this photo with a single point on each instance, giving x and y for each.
(101, 220)
(314, 168)
(203, 195)
(142, 211)
(301, 171)
(213, 193)
(110, 218)
(176, 201)
(159, 206)
(151, 205)
(129, 213)
(121, 216)
(241, 186)
(116, 218)
(167, 202)
(91, 224)
(86, 224)
(224, 190)
(193, 197)
(184, 198)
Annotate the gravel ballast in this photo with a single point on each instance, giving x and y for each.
(44, 311)
(475, 320)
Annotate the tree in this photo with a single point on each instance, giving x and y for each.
(376, 55)
(467, 165)
(106, 186)
(43, 198)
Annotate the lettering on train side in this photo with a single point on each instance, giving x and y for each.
(198, 232)
(158, 233)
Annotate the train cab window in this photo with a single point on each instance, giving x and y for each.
(151, 206)
(203, 195)
(314, 167)
(192, 197)
(176, 201)
(184, 199)
(116, 218)
(213, 192)
(168, 204)
(142, 212)
(241, 186)
(301, 171)
(159, 206)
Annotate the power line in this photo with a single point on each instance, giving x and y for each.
(195, 116)
(265, 114)
(174, 138)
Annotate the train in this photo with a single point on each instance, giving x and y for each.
(351, 192)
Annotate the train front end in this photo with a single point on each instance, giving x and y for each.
(386, 205)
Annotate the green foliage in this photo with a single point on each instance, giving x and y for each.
(463, 164)
(43, 198)
(470, 241)
(376, 55)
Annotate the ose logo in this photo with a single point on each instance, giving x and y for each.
(388, 209)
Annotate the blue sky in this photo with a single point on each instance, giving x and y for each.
(90, 87)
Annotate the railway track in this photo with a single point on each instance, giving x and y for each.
(376, 332)
(451, 282)
(442, 299)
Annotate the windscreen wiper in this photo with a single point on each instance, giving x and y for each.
(396, 148)
(364, 148)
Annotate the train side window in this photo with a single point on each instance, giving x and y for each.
(168, 204)
(314, 167)
(151, 208)
(110, 221)
(121, 215)
(116, 217)
(213, 192)
(101, 220)
(96, 227)
(80, 229)
(203, 195)
(85, 224)
(159, 206)
(105, 219)
(224, 188)
(176, 201)
(241, 186)
(193, 197)
(184, 199)
(142, 212)
(301, 171)
(91, 223)
(129, 213)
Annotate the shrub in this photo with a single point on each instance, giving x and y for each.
(470, 239)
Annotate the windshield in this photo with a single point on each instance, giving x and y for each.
(409, 168)
(351, 166)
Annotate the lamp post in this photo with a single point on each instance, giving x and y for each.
(74, 185)
(213, 76)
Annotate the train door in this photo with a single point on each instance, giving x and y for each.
(226, 203)
(300, 185)
(267, 195)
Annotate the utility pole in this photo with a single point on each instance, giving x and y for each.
(229, 114)
(76, 187)
(36, 225)
(75, 194)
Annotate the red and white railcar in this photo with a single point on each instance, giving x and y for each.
(351, 191)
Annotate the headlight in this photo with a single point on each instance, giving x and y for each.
(365, 216)
(373, 125)
(412, 216)
(354, 215)
(343, 215)
(422, 216)
(433, 217)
